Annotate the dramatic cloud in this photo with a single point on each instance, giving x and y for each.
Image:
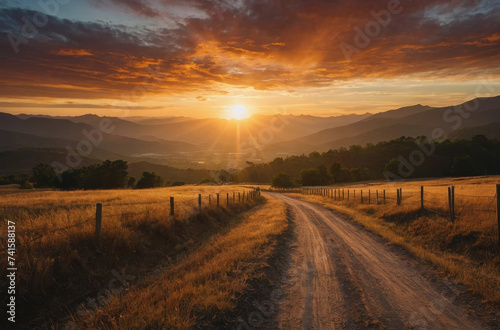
(271, 45)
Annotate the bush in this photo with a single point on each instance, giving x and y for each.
(44, 176)
(207, 180)
(178, 183)
(149, 180)
(25, 185)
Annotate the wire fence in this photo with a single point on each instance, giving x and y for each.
(463, 207)
(187, 208)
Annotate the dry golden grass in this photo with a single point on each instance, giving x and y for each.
(59, 267)
(467, 249)
(204, 284)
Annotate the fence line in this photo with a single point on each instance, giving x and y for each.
(365, 196)
(98, 217)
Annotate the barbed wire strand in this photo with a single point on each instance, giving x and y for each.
(58, 229)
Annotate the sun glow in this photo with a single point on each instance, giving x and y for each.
(238, 112)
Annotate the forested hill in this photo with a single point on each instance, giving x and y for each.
(397, 159)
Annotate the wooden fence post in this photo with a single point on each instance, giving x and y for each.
(377, 196)
(422, 197)
(234, 197)
(354, 195)
(397, 196)
(217, 200)
(453, 203)
(342, 193)
(239, 197)
(384, 196)
(98, 220)
(498, 212)
(347, 194)
(369, 196)
(199, 202)
(172, 206)
(209, 199)
(449, 204)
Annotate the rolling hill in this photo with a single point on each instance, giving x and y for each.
(409, 121)
(213, 143)
(491, 131)
(24, 159)
(215, 131)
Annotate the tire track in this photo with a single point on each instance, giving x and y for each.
(340, 276)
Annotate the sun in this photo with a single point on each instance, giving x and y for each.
(238, 112)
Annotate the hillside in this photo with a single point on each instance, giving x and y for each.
(218, 143)
(408, 121)
(201, 131)
(44, 127)
(23, 160)
(491, 131)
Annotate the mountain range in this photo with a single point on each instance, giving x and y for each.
(213, 143)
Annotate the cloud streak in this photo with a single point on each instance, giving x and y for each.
(276, 45)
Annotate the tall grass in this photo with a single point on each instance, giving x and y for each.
(205, 284)
(58, 268)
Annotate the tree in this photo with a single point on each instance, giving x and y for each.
(71, 179)
(282, 180)
(224, 176)
(463, 166)
(314, 154)
(44, 176)
(392, 166)
(311, 177)
(131, 182)
(323, 172)
(24, 182)
(336, 172)
(149, 180)
(111, 175)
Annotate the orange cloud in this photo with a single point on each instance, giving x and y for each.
(277, 46)
(73, 52)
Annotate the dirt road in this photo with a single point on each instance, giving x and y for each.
(339, 276)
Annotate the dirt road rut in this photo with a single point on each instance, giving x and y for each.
(341, 277)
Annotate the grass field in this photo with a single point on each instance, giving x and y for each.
(205, 284)
(60, 263)
(467, 249)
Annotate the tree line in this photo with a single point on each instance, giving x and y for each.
(402, 158)
(398, 159)
(107, 175)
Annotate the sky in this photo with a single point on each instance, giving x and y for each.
(200, 58)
